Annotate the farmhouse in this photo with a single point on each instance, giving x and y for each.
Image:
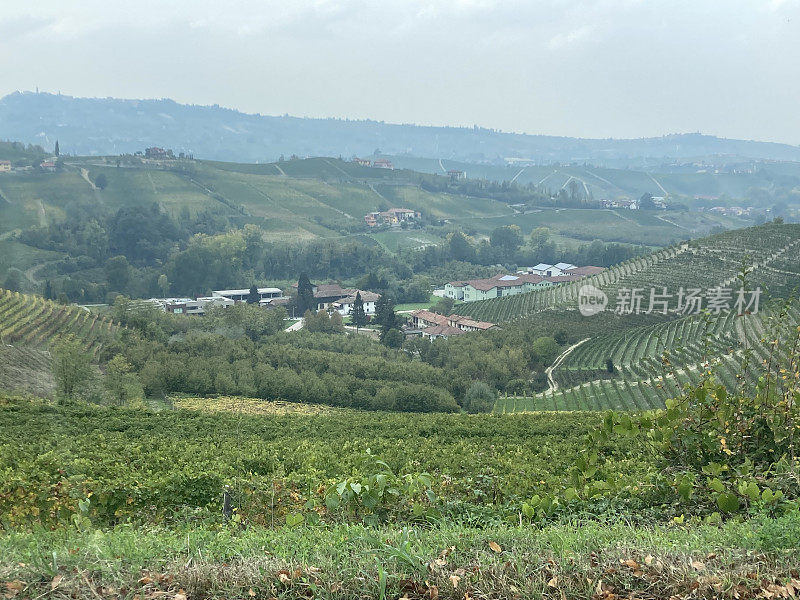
(334, 296)
(5, 166)
(393, 216)
(382, 163)
(434, 325)
(364, 162)
(345, 305)
(455, 174)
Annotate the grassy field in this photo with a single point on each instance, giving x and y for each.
(575, 560)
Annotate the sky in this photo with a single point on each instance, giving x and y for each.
(583, 68)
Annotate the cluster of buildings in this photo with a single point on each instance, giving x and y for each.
(392, 217)
(658, 201)
(433, 325)
(46, 165)
(378, 163)
(331, 297)
(532, 278)
(267, 297)
(732, 211)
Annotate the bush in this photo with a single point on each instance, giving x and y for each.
(480, 398)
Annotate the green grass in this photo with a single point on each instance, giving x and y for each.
(451, 561)
(417, 305)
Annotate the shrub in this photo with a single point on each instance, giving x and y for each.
(480, 398)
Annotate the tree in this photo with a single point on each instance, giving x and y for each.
(646, 202)
(305, 295)
(72, 366)
(121, 383)
(57, 152)
(117, 272)
(163, 285)
(507, 238)
(358, 316)
(480, 398)
(14, 280)
(460, 248)
(393, 338)
(545, 350)
(48, 290)
(253, 297)
(444, 306)
(384, 315)
(101, 181)
(610, 365)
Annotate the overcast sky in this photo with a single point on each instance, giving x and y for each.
(593, 68)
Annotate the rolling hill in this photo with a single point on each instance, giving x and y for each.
(297, 200)
(625, 362)
(102, 126)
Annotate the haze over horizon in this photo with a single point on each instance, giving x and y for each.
(598, 69)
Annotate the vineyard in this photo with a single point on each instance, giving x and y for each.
(28, 326)
(656, 362)
(772, 251)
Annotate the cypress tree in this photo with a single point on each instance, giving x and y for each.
(358, 316)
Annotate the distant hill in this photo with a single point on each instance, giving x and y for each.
(104, 126)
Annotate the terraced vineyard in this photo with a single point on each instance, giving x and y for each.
(28, 325)
(772, 251)
(33, 322)
(653, 363)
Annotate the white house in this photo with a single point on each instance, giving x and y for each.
(345, 305)
(556, 270)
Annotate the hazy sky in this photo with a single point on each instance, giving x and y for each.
(593, 68)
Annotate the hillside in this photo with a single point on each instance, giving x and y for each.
(298, 200)
(771, 251)
(653, 360)
(28, 327)
(112, 126)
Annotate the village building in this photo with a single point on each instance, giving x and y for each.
(382, 163)
(345, 305)
(5, 166)
(333, 296)
(392, 217)
(243, 294)
(433, 325)
(364, 162)
(540, 276)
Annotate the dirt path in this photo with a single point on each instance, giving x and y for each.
(622, 217)
(31, 273)
(551, 383)
(281, 171)
(546, 177)
(85, 175)
(521, 171)
(295, 326)
(42, 214)
(661, 187)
